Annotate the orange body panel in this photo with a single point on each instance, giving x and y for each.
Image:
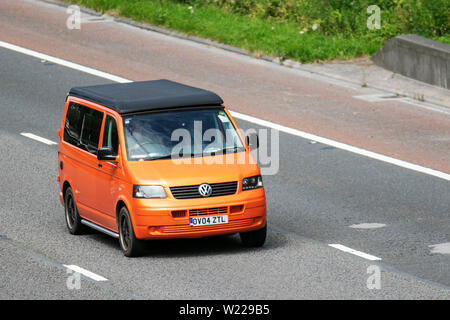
(98, 190)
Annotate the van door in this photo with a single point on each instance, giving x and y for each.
(82, 130)
(110, 174)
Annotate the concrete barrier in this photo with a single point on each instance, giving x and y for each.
(416, 57)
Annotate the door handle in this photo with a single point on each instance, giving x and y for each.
(99, 165)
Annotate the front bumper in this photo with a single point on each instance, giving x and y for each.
(245, 213)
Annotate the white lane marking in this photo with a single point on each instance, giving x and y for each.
(442, 248)
(244, 117)
(367, 225)
(355, 252)
(342, 146)
(62, 62)
(85, 272)
(37, 138)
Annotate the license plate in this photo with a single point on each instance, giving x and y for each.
(208, 221)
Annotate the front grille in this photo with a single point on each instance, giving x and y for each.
(207, 211)
(191, 192)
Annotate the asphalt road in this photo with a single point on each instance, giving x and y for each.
(318, 193)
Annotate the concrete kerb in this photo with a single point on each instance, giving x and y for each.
(416, 57)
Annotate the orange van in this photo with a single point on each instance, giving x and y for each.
(157, 160)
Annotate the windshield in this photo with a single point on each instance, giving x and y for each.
(174, 134)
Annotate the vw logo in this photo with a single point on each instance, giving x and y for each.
(205, 190)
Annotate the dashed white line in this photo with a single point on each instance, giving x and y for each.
(265, 123)
(355, 252)
(441, 248)
(85, 272)
(367, 226)
(37, 138)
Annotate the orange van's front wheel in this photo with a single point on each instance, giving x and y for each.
(130, 245)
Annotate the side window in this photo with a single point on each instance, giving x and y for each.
(82, 127)
(72, 126)
(90, 129)
(110, 136)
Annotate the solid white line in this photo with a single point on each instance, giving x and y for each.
(37, 138)
(64, 63)
(85, 272)
(342, 146)
(244, 117)
(355, 252)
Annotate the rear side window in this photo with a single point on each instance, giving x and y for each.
(110, 136)
(82, 127)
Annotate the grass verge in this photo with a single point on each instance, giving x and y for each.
(303, 38)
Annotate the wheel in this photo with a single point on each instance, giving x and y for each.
(73, 220)
(131, 247)
(254, 238)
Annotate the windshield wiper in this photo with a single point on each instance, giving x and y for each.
(168, 156)
(224, 150)
(192, 155)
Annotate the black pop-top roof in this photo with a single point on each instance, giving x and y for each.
(146, 95)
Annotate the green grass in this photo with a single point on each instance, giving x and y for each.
(284, 28)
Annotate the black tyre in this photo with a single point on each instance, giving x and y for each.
(131, 247)
(255, 238)
(73, 220)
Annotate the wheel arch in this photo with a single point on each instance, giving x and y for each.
(66, 185)
(122, 202)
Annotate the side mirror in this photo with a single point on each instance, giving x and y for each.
(106, 154)
(252, 141)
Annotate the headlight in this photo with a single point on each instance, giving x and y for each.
(148, 192)
(252, 183)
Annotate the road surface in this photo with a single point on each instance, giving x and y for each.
(321, 195)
